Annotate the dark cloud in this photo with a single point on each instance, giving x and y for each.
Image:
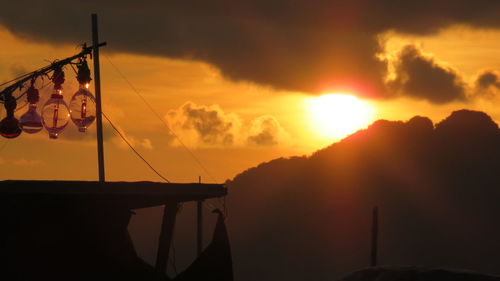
(422, 78)
(488, 79)
(296, 45)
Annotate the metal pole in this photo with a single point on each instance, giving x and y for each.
(199, 243)
(374, 237)
(97, 88)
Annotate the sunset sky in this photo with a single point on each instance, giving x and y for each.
(238, 82)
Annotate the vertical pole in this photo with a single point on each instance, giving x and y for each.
(166, 233)
(374, 237)
(199, 244)
(97, 88)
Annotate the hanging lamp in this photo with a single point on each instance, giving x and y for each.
(55, 112)
(31, 122)
(82, 106)
(9, 126)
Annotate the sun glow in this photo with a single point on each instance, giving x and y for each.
(335, 116)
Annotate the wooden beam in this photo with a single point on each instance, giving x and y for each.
(199, 224)
(134, 195)
(374, 237)
(166, 233)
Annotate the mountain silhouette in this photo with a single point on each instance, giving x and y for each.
(437, 188)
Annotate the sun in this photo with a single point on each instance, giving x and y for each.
(335, 116)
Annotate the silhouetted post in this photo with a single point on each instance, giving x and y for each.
(166, 233)
(199, 205)
(97, 88)
(374, 237)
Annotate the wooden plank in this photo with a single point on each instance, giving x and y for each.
(132, 194)
(199, 227)
(72, 187)
(167, 231)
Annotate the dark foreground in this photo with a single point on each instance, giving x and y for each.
(416, 274)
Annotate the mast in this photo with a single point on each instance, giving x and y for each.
(97, 86)
(199, 224)
(374, 251)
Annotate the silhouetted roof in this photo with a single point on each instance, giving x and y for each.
(133, 195)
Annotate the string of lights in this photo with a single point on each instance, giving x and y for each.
(44, 71)
(55, 113)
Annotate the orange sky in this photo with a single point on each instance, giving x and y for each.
(168, 84)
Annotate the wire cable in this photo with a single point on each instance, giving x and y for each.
(133, 149)
(17, 78)
(164, 122)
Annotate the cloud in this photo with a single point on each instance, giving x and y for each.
(201, 125)
(488, 83)
(487, 79)
(208, 124)
(422, 77)
(20, 162)
(26, 162)
(133, 141)
(266, 131)
(71, 133)
(305, 46)
(146, 143)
